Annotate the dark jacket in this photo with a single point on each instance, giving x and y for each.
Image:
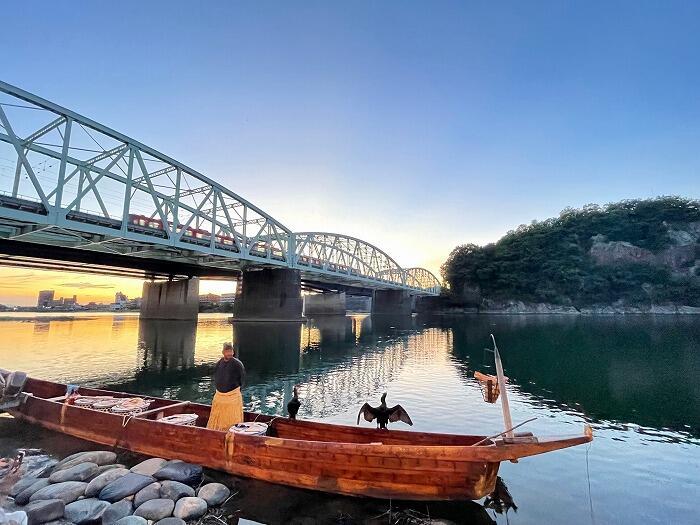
(229, 375)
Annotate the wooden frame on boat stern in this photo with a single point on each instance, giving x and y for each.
(304, 454)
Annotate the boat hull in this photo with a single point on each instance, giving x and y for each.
(330, 458)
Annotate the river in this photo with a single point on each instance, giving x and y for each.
(634, 379)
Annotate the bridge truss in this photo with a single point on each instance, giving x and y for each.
(70, 182)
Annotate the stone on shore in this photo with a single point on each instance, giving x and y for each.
(105, 468)
(155, 509)
(124, 486)
(186, 473)
(23, 497)
(190, 508)
(99, 457)
(132, 520)
(214, 493)
(80, 472)
(85, 510)
(46, 469)
(69, 458)
(171, 521)
(175, 490)
(44, 510)
(148, 492)
(117, 511)
(149, 466)
(22, 484)
(68, 491)
(104, 479)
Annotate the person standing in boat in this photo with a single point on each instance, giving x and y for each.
(229, 378)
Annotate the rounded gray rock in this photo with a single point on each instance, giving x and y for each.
(117, 511)
(105, 468)
(44, 510)
(190, 508)
(125, 486)
(175, 490)
(67, 459)
(155, 509)
(132, 520)
(80, 472)
(85, 510)
(23, 497)
(48, 468)
(68, 491)
(170, 521)
(22, 484)
(99, 457)
(187, 473)
(149, 466)
(148, 492)
(214, 493)
(104, 479)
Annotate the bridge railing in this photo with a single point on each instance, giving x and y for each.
(354, 257)
(59, 168)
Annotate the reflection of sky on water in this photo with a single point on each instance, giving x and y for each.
(634, 379)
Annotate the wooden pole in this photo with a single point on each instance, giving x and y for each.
(507, 420)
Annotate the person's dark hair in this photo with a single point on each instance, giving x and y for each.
(228, 346)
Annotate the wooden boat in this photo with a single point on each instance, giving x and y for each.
(341, 459)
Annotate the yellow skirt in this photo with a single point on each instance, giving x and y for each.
(226, 410)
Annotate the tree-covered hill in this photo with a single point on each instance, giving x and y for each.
(631, 252)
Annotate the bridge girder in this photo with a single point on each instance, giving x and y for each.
(70, 182)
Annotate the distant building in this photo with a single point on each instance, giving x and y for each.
(209, 298)
(70, 301)
(120, 298)
(134, 304)
(228, 298)
(45, 299)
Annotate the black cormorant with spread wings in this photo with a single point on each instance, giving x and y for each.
(383, 414)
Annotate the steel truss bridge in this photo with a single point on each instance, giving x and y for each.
(73, 189)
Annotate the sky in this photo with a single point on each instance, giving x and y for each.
(416, 126)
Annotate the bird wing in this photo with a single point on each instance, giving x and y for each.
(397, 413)
(369, 413)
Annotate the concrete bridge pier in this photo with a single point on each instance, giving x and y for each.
(170, 300)
(269, 294)
(393, 302)
(324, 304)
(358, 303)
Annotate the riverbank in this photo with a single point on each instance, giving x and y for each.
(523, 308)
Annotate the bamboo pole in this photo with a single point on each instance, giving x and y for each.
(507, 420)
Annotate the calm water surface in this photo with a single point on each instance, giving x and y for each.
(634, 379)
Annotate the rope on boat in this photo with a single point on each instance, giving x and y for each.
(501, 433)
(588, 476)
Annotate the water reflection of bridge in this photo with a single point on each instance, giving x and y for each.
(337, 361)
(332, 362)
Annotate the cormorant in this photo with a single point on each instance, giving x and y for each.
(293, 405)
(383, 414)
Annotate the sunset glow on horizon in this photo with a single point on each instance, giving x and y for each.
(20, 287)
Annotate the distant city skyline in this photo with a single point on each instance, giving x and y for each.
(20, 287)
(414, 126)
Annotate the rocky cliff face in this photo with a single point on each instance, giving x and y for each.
(682, 257)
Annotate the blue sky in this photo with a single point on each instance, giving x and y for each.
(414, 125)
